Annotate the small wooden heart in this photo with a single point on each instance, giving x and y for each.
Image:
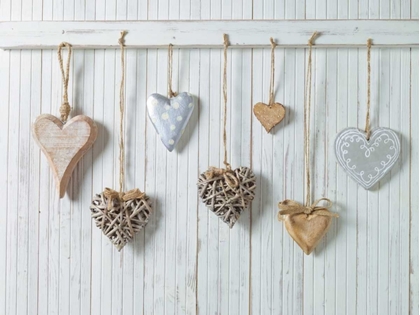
(120, 217)
(64, 144)
(269, 115)
(227, 193)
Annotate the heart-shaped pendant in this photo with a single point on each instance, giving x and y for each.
(269, 115)
(120, 217)
(170, 116)
(307, 225)
(227, 193)
(307, 233)
(367, 161)
(64, 144)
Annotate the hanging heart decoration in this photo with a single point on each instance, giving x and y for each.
(306, 225)
(170, 116)
(227, 193)
(64, 144)
(272, 113)
(121, 216)
(269, 115)
(367, 161)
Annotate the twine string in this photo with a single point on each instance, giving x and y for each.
(367, 125)
(226, 44)
(121, 42)
(271, 93)
(171, 93)
(65, 73)
(307, 120)
(291, 207)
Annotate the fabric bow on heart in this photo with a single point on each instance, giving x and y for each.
(170, 116)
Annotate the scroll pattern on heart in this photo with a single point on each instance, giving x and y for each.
(367, 161)
(170, 116)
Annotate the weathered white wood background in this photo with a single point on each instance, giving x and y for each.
(53, 260)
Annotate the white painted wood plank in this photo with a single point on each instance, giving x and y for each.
(404, 185)
(4, 90)
(142, 34)
(414, 197)
(24, 184)
(203, 125)
(381, 112)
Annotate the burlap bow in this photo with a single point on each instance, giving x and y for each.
(111, 195)
(292, 207)
(228, 174)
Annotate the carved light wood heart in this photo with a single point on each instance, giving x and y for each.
(269, 115)
(307, 231)
(64, 144)
(367, 161)
(170, 116)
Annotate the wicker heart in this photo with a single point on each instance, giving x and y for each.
(170, 116)
(120, 219)
(227, 193)
(367, 161)
(64, 144)
(269, 115)
(307, 231)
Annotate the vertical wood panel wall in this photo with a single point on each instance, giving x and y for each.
(53, 260)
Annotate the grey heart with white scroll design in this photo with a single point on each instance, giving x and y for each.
(367, 161)
(170, 116)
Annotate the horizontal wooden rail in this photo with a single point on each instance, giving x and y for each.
(208, 34)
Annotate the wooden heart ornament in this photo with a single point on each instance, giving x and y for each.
(306, 225)
(64, 144)
(227, 193)
(121, 216)
(269, 115)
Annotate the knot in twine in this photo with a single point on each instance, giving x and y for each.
(65, 73)
(288, 207)
(112, 195)
(228, 175)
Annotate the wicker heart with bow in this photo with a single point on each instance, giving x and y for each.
(121, 216)
(306, 225)
(227, 193)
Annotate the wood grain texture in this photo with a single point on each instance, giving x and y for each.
(64, 144)
(186, 261)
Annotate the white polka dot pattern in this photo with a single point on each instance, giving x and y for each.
(170, 116)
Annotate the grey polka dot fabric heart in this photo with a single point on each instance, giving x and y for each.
(170, 116)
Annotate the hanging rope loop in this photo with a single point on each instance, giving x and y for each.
(367, 125)
(271, 92)
(65, 73)
(171, 93)
(225, 44)
(121, 42)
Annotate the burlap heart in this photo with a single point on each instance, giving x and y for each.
(120, 217)
(306, 225)
(227, 193)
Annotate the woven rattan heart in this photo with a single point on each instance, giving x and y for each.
(120, 218)
(227, 193)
